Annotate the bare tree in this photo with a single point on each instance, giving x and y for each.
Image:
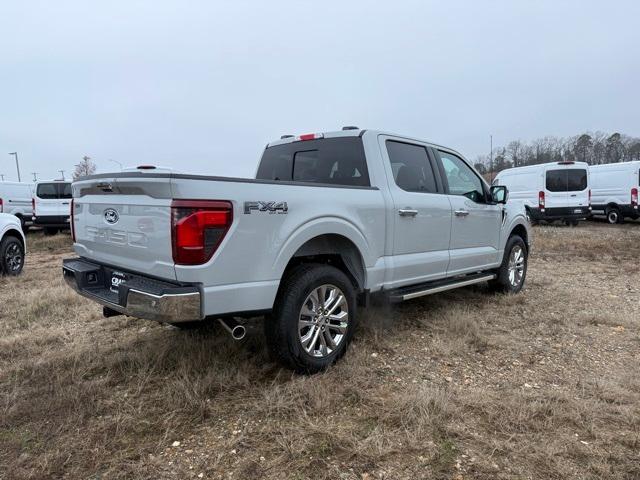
(84, 168)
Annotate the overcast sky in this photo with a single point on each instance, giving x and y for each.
(203, 86)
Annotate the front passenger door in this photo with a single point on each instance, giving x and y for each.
(475, 224)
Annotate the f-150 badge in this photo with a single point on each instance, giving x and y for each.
(270, 207)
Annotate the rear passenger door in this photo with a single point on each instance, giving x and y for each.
(48, 203)
(476, 223)
(421, 213)
(556, 195)
(65, 194)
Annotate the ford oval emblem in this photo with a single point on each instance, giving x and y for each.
(111, 216)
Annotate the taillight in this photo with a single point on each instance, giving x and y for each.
(197, 228)
(72, 225)
(33, 206)
(1, 206)
(589, 197)
(540, 199)
(634, 197)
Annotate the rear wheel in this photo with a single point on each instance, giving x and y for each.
(513, 271)
(613, 215)
(11, 256)
(313, 318)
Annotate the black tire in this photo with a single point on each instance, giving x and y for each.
(613, 216)
(502, 282)
(575, 223)
(50, 230)
(11, 251)
(281, 326)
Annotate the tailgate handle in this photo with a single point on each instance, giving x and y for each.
(105, 187)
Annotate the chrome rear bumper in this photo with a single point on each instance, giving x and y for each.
(136, 296)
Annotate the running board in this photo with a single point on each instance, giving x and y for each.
(407, 293)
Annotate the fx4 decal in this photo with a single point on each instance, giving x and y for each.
(271, 207)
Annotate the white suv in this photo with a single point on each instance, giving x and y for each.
(12, 245)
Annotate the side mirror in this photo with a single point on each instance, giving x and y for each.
(499, 194)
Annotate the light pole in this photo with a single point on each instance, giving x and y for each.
(15, 154)
(491, 158)
(62, 173)
(2, 176)
(116, 161)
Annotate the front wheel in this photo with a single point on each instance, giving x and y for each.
(11, 256)
(313, 318)
(513, 271)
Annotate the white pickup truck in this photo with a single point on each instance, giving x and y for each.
(329, 219)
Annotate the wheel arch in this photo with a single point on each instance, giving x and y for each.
(325, 240)
(335, 250)
(12, 232)
(520, 230)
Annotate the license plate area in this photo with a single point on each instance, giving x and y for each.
(116, 278)
(577, 210)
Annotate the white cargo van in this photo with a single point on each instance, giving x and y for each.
(52, 205)
(550, 191)
(614, 190)
(15, 198)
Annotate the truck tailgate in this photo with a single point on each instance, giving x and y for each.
(125, 222)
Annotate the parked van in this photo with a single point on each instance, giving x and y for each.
(614, 190)
(550, 191)
(52, 205)
(15, 198)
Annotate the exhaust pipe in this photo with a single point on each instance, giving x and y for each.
(236, 330)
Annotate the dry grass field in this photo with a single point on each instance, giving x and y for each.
(466, 384)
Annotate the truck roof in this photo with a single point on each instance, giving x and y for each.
(355, 132)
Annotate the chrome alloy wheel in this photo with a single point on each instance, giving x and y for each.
(516, 265)
(13, 257)
(323, 320)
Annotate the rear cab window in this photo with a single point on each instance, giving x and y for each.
(329, 161)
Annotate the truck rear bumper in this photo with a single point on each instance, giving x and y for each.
(132, 294)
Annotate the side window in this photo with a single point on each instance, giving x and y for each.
(461, 178)
(556, 180)
(411, 167)
(47, 191)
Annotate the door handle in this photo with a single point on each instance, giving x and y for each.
(407, 212)
(461, 213)
(574, 195)
(65, 203)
